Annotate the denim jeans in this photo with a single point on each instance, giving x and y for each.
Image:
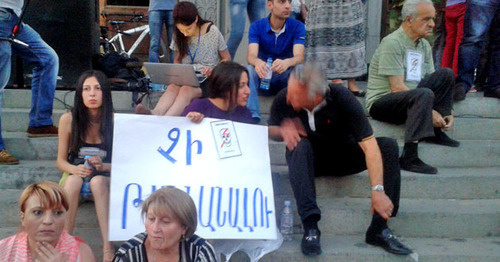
(156, 20)
(278, 82)
(479, 16)
(256, 9)
(41, 56)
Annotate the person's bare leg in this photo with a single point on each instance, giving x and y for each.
(72, 186)
(166, 100)
(351, 85)
(185, 96)
(100, 190)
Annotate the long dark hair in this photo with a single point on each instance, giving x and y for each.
(185, 13)
(225, 81)
(81, 121)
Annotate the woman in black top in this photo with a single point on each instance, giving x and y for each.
(86, 132)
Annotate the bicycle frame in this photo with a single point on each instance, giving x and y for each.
(119, 38)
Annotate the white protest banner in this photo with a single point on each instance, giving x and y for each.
(233, 193)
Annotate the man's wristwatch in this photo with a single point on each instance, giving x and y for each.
(378, 188)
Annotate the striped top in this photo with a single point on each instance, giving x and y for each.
(15, 248)
(195, 249)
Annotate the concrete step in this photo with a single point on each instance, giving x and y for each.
(465, 128)
(352, 248)
(461, 183)
(473, 105)
(63, 99)
(17, 119)
(24, 148)
(471, 153)
(28, 172)
(416, 218)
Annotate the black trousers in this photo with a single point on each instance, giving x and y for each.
(414, 107)
(311, 159)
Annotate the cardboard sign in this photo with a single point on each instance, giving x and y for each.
(232, 188)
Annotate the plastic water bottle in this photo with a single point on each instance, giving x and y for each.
(287, 222)
(265, 82)
(85, 192)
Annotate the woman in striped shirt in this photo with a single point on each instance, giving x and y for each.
(170, 220)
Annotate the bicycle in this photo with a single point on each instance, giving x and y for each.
(116, 42)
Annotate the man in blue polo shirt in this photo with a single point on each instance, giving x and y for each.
(280, 39)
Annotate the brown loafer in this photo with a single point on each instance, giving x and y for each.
(42, 131)
(7, 159)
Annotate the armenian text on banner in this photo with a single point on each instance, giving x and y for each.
(224, 166)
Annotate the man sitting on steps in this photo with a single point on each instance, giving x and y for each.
(277, 37)
(403, 87)
(326, 132)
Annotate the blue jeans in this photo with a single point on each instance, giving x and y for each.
(278, 82)
(255, 9)
(156, 21)
(479, 17)
(41, 56)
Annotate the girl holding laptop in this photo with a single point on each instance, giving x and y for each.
(197, 42)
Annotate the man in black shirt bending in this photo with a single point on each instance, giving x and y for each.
(327, 133)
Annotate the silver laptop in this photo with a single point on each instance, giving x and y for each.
(178, 74)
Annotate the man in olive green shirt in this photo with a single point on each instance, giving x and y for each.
(403, 87)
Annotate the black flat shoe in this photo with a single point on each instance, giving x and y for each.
(416, 165)
(442, 139)
(388, 241)
(360, 93)
(310, 243)
(459, 93)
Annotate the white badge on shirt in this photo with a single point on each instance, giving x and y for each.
(414, 61)
(225, 138)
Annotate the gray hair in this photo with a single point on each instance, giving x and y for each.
(175, 203)
(310, 74)
(410, 8)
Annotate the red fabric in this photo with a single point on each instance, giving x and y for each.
(454, 23)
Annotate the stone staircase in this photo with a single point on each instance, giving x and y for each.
(451, 216)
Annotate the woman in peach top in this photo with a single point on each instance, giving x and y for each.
(43, 214)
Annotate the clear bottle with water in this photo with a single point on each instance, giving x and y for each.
(265, 82)
(85, 192)
(287, 222)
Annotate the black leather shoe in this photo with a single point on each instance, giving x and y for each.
(387, 241)
(416, 165)
(492, 93)
(310, 243)
(442, 139)
(459, 93)
(360, 93)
